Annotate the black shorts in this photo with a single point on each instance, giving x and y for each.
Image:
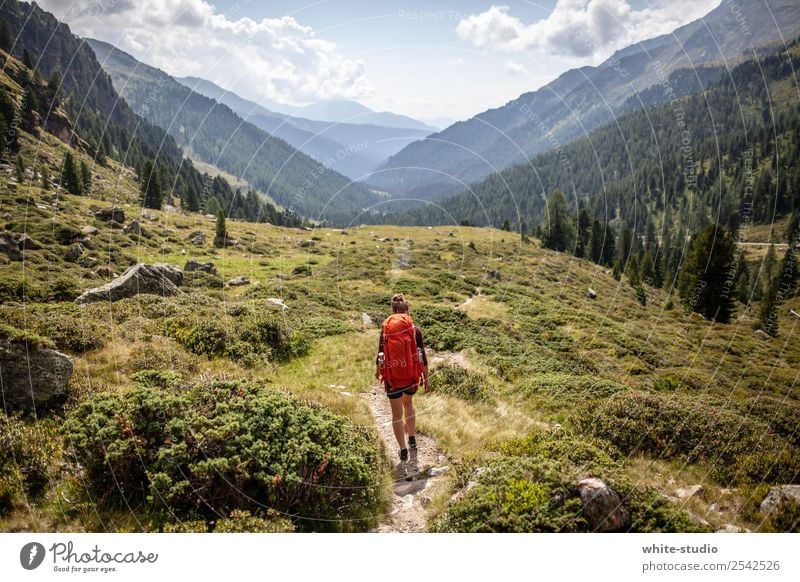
(395, 393)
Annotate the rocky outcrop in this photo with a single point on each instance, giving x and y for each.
(591, 293)
(158, 279)
(89, 230)
(73, 252)
(33, 377)
(134, 227)
(779, 496)
(278, 303)
(12, 244)
(494, 275)
(197, 238)
(602, 506)
(192, 265)
(238, 281)
(110, 214)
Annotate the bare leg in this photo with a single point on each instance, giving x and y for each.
(397, 421)
(408, 408)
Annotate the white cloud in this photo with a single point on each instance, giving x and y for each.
(277, 59)
(579, 28)
(515, 68)
(456, 62)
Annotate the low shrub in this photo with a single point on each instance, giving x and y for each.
(30, 452)
(318, 327)
(459, 382)
(221, 446)
(531, 486)
(736, 448)
(201, 279)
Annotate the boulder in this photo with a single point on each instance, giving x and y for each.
(221, 242)
(192, 265)
(9, 246)
(689, 492)
(104, 272)
(33, 377)
(366, 320)
(110, 214)
(778, 496)
(73, 252)
(591, 293)
(89, 230)
(239, 281)
(602, 506)
(158, 279)
(278, 302)
(26, 243)
(494, 275)
(134, 227)
(303, 244)
(198, 238)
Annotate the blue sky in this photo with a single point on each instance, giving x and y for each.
(423, 58)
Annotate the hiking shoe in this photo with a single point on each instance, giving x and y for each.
(412, 443)
(403, 454)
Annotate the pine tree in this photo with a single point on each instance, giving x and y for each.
(768, 310)
(86, 177)
(19, 168)
(609, 246)
(705, 274)
(6, 38)
(70, 178)
(743, 288)
(633, 273)
(221, 236)
(558, 231)
(152, 195)
(192, 202)
(45, 174)
(583, 235)
(506, 225)
(596, 242)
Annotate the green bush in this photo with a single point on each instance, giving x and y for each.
(29, 457)
(735, 447)
(459, 382)
(70, 327)
(167, 379)
(221, 446)
(207, 338)
(318, 327)
(201, 279)
(530, 485)
(274, 335)
(302, 270)
(243, 522)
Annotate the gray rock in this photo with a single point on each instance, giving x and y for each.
(158, 279)
(494, 275)
(239, 281)
(89, 230)
(220, 242)
(104, 272)
(26, 243)
(33, 377)
(192, 265)
(366, 320)
(591, 293)
(134, 227)
(7, 215)
(9, 246)
(111, 214)
(307, 243)
(602, 506)
(278, 302)
(73, 252)
(197, 238)
(780, 495)
(689, 492)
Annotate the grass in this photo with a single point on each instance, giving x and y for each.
(539, 348)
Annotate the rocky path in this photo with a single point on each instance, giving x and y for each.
(413, 479)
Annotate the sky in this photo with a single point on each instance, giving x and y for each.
(427, 59)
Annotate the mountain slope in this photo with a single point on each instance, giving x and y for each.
(730, 154)
(579, 100)
(353, 149)
(218, 136)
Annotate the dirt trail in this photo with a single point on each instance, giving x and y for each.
(413, 479)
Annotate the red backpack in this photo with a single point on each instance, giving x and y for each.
(401, 364)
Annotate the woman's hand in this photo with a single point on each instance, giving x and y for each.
(377, 373)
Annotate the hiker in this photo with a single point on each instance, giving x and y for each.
(401, 364)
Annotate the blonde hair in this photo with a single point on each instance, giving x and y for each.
(399, 303)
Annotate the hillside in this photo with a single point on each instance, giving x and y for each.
(218, 136)
(580, 100)
(729, 154)
(535, 385)
(353, 149)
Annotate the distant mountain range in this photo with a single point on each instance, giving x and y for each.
(583, 99)
(353, 149)
(214, 134)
